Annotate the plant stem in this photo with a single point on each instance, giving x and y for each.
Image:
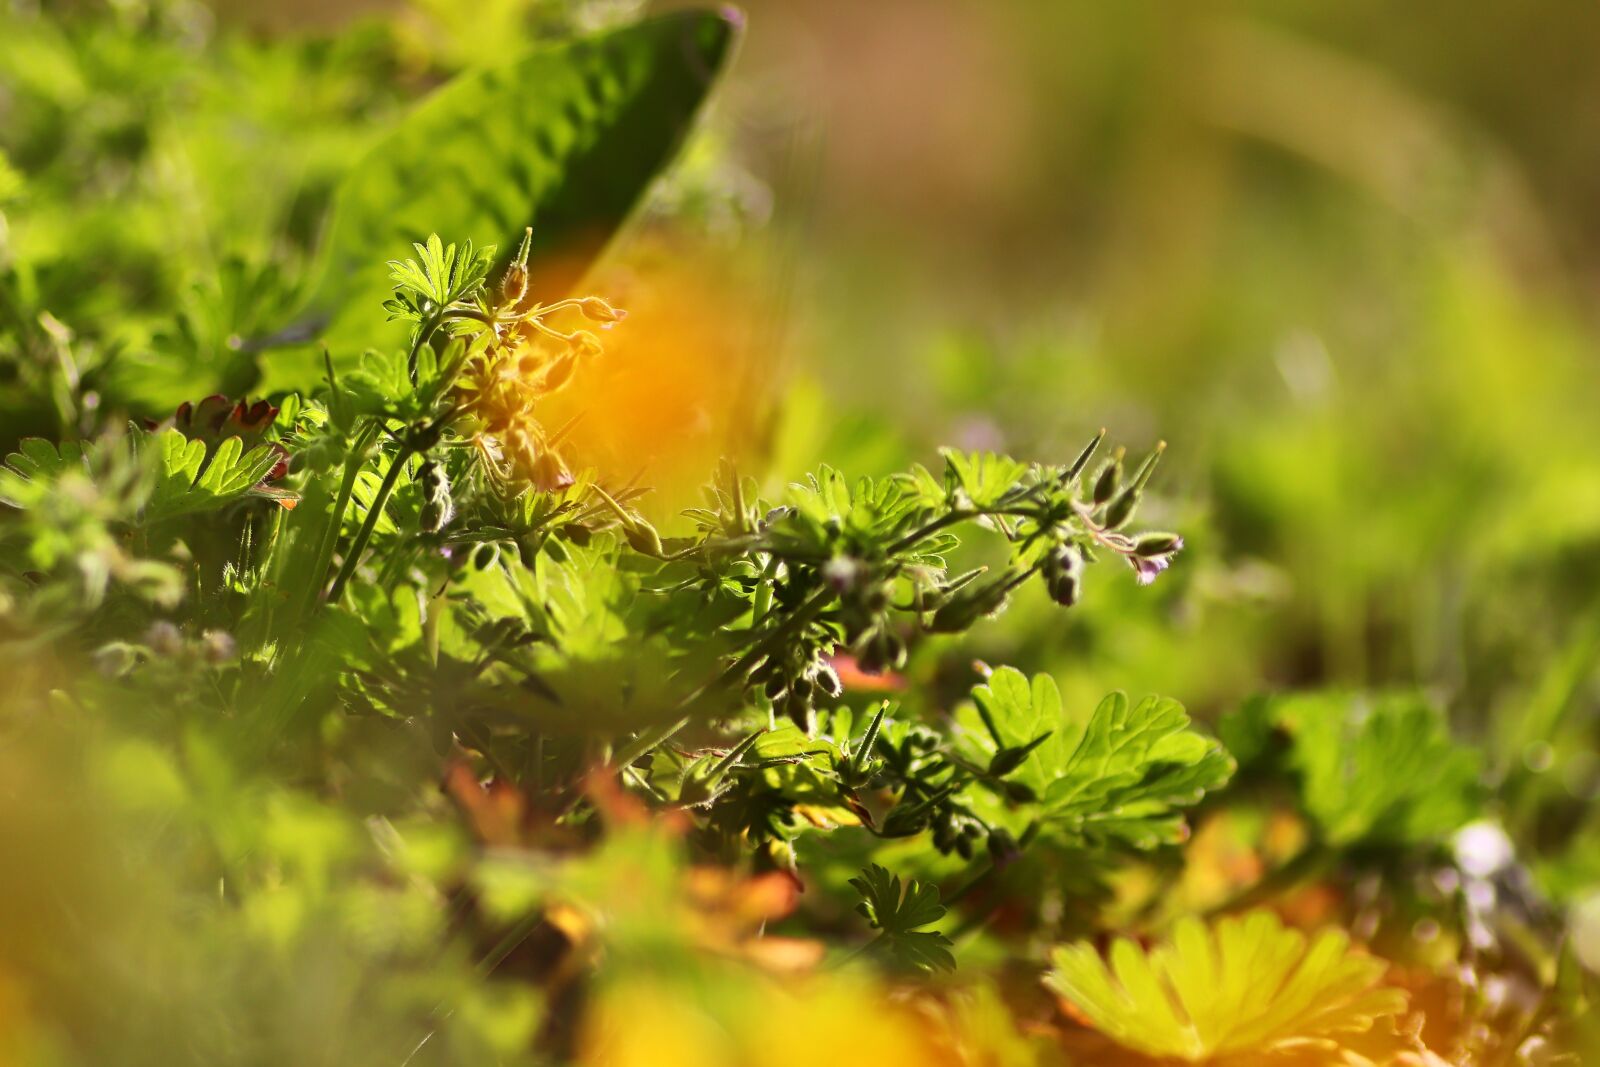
(359, 545)
(330, 533)
(648, 740)
(860, 951)
(508, 944)
(949, 518)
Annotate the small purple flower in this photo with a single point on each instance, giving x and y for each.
(1148, 568)
(1152, 554)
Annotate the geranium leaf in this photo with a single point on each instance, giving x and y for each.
(1244, 987)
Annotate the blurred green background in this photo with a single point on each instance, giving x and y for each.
(1342, 259)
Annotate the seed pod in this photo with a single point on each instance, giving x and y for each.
(1018, 793)
(1008, 759)
(970, 605)
(559, 374)
(1122, 508)
(1106, 482)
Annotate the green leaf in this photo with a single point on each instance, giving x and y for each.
(1132, 767)
(901, 917)
(190, 481)
(440, 275)
(1244, 988)
(1380, 770)
(36, 465)
(564, 139)
(1121, 777)
(983, 477)
(187, 477)
(1021, 711)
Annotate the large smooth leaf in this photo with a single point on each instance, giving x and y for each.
(564, 139)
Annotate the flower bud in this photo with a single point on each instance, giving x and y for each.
(880, 650)
(437, 506)
(163, 638)
(1064, 559)
(1003, 847)
(903, 822)
(642, 538)
(597, 310)
(1064, 588)
(1157, 544)
(827, 679)
(1105, 484)
(514, 286)
(548, 473)
(841, 573)
(218, 646)
(584, 343)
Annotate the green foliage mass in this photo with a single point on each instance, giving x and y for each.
(368, 721)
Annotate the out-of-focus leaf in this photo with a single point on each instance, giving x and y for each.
(1380, 770)
(1238, 991)
(564, 139)
(36, 462)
